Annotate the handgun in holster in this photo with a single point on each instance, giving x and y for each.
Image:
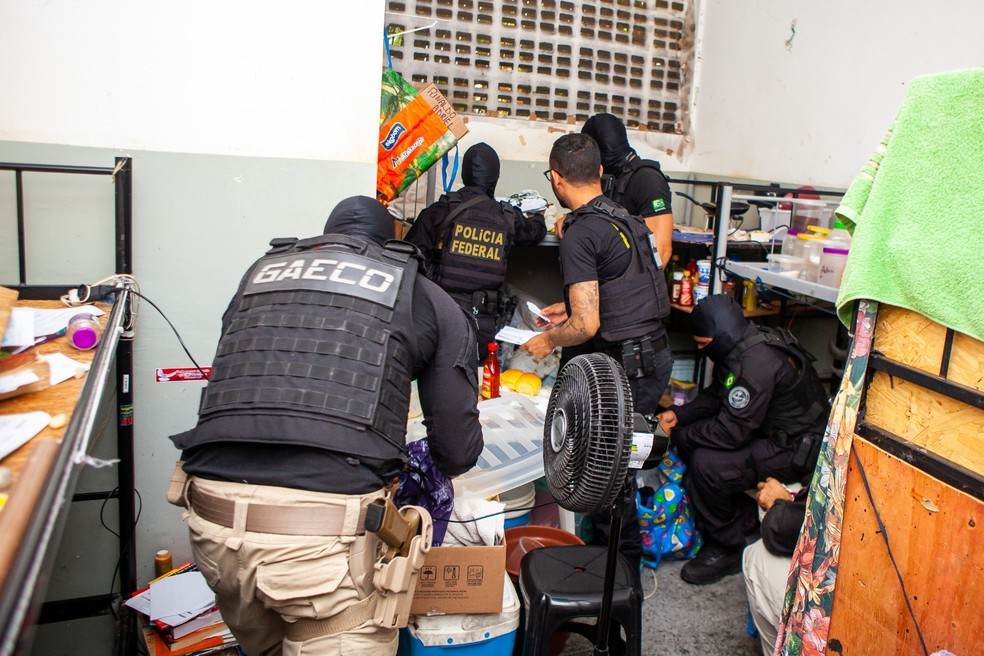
(408, 533)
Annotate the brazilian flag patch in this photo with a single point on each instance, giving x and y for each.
(729, 381)
(659, 204)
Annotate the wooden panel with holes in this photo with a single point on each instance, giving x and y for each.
(935, 536)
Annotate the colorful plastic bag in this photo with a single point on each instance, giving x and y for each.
(415, 130)
(666, 521)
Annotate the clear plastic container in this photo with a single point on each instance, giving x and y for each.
(807, 213)
(783, 264)
(832, 263)
(812, 250)
(791, 243)
(773, 219)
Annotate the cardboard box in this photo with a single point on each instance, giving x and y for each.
(461, 580)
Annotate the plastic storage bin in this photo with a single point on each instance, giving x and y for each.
(512, 426)
(471, 635)
(788, 265)
(772, 219)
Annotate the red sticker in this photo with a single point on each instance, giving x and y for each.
(181, 374)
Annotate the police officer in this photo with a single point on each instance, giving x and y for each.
(639, 185)
(614, 294)
(763, 416)
(303, 424)
(466, 236)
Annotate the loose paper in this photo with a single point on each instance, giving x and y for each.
(17, 430)
(515, 335)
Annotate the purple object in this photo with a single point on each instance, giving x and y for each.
(83, 331)
(423, 484)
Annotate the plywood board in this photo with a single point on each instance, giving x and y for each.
(910, 338)
(935, 535)
(967, 362)
(948, 428)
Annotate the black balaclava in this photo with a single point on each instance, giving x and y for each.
(721, 318)
(363, 217)
(480, 168)
(609, 131)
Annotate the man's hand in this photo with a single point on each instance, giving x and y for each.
(557, 314)
(771, 491)
(539, 346)
(667, 421)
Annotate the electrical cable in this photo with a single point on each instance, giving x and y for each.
(655, 585)
(501, 512)
(888, 547)
(176, 333)
(130, 541)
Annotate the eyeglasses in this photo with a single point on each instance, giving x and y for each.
(547, 175)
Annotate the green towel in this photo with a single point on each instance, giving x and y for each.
(916, 210)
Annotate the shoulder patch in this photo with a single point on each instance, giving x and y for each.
(739, 397)
(729, 381)
(659, 204)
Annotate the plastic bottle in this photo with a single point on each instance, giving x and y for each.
(677, 287)
(162, 562)
(687, 290)
(840, 233)
(490, 373)
(83, 331)
(790, 243)
(672, 268)
(691, 271)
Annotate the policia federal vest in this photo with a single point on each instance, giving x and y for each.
(634, 304)
(797, 409)
(320, 329)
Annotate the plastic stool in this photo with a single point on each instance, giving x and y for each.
(563, 583)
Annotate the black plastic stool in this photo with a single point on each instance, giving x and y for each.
(560, 584)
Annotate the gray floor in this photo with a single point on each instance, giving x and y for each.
(682, 619)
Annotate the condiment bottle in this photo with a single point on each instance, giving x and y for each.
(162, 562)
(677, 286)
(687, 291)
(490, 373)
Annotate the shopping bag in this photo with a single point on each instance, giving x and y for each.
(666, 521)
(416, 129)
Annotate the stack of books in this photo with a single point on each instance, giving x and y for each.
(180, 618)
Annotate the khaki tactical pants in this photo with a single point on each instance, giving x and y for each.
(265, 582)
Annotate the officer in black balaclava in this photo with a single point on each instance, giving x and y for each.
(466, 236)
(636, 184)
(303, 425)
(762, 416)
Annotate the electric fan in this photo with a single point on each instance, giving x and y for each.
(592, 443)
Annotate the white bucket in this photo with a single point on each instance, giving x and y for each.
(519, 502)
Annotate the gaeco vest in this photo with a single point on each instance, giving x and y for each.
(473, 246)
(633, 304)
(320, 329)
(796, 409)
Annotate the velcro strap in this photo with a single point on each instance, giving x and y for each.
(299, 370)
(313, 322)
(281, 520)
(303, 345)
(285, 396)
(355, 615)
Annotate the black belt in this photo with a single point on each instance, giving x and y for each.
(637, 356)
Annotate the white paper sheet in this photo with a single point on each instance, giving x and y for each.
(63, 367)
(49, 322)
(20, 328)
(17, 430)
(179, 595)
(515, 335)
(537, 311)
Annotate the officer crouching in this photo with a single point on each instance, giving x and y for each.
(763, 416)
(302, 429)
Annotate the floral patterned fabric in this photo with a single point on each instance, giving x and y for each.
(805, 620)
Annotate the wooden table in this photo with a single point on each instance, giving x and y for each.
(46, 470)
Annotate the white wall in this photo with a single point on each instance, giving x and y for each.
(289, 79)
(813, 112)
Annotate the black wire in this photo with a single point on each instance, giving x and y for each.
(888, 547)
(130, 542)
(176, 334)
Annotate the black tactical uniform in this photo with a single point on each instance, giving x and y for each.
(639, 185)
(466, 237)
(763, 415)
(303, 423)
(602, 242)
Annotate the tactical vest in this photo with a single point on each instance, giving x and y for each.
(633, 304)
(616, 186)
(795, 409)
(320, 329)
(473, 244)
